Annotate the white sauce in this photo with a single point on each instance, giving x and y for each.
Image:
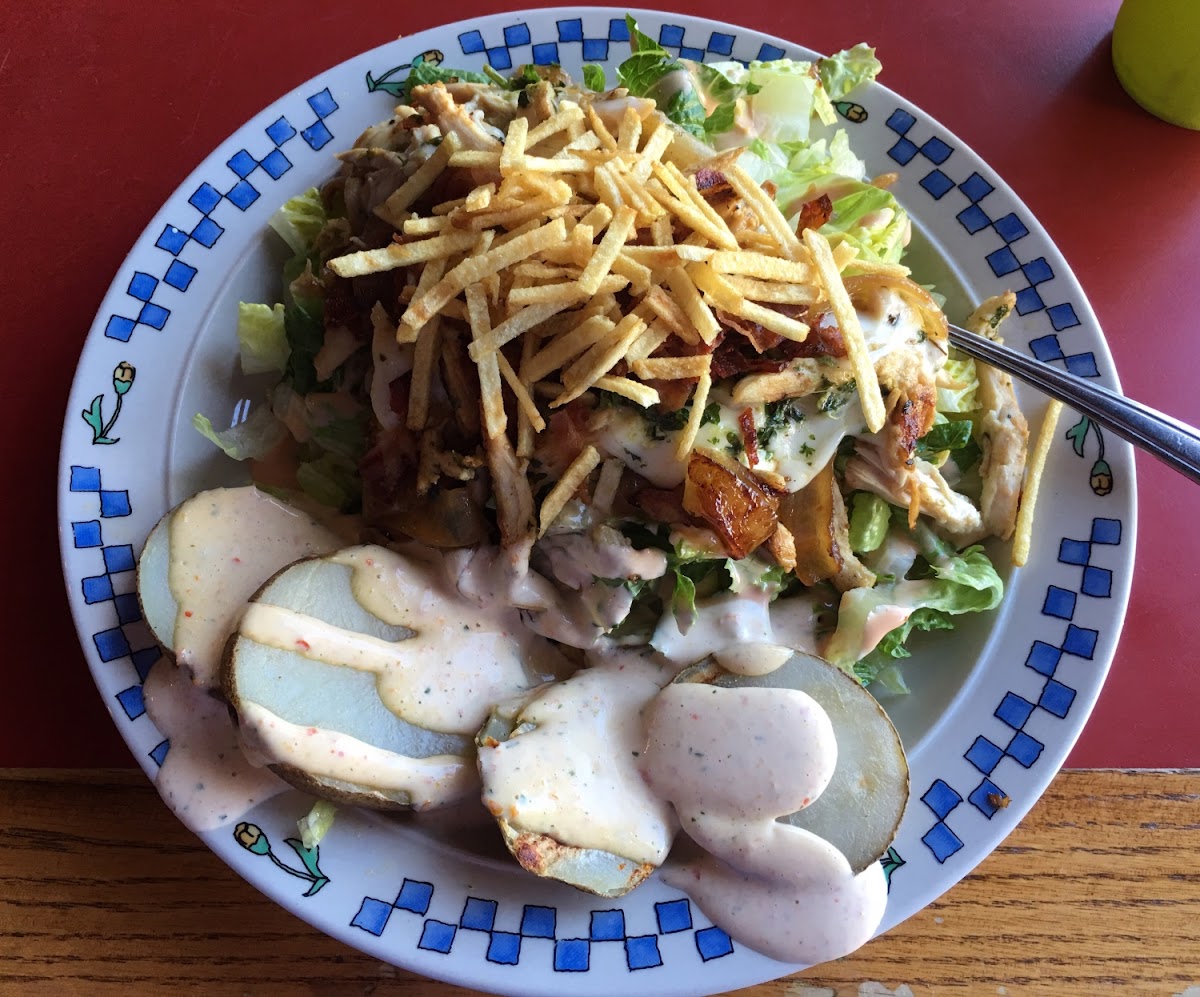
(732, 761)
(206, 778)
(430, 782)
(223, 545)
(574, 776)
(798, 449)
(881, 621)
(753, 659)
(725, 621)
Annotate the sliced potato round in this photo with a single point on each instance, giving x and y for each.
(206, 557)
(159, 607)
(560, 766)
(356, 676)
(862, 806)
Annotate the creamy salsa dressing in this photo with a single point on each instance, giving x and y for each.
(206, 777)
(440, 684)
(571, 770)
(731, 621)
(426, 782)
(463, 656)
(223, 545)
(731, 761)
(607, 759)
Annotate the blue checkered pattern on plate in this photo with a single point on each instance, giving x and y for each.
(241, 191)
(515, 44)
(1055, 698)
(975, 218)
(567, 955)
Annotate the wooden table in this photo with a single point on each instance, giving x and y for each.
(106, 893)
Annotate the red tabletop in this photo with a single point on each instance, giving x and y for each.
(105, 108)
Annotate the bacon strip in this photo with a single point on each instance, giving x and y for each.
(815, 213)
(749, 434)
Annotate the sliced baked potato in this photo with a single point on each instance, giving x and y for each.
(861, 808)
(206, 557)
(369, 656)
(560, 775)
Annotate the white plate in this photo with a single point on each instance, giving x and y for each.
(995, 709)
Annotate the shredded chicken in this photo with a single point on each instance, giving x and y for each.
(611, 108)
(853, 574)
(450, 116)
(437, 463)
(498, 107)
(514, 499)
(578, 559)
(387, 135)
(874, 468)
(1004, 433)
(371, 175)
(541, 103)
(782, 546)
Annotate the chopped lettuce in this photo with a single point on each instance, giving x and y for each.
(883, 659)
(798, 167)
(651, 71)
(314, 825)
(262, 338)
(870, 517)
(304, 324)
(300, 220)
(963, 582)
(780, 100)
(252, 439)
(870, 219)
(945, 435)
(346, 437)
(332, 479)
(755, 572)
(961, 381)
(843, 71)
(593, 77)
(864, 215)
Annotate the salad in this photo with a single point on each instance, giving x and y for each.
(907, 500)
(607, 426)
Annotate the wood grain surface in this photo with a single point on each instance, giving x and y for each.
(104, 892)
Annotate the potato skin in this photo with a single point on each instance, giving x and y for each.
(739, 508)
(809, 515)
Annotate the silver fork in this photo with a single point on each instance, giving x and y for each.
(1173, 442)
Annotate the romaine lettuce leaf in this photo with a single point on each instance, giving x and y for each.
(262, 338)
(252, 439)
(883, 659)
(944, 435)
(784, 100)
(843, 71)
(870, 219)
(961, 382)
(870, 517)
(593, 77)
(332, 480)
(651, 71)
(965, 582)
(300, 220)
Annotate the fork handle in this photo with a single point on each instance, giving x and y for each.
(1173, 442)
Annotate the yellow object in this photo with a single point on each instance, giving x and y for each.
(1156, 53)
